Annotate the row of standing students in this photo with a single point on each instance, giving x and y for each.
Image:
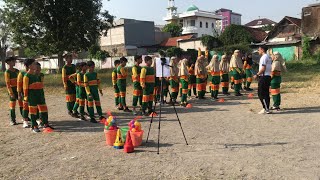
(82, 88)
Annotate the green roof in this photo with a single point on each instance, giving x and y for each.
(192, 8)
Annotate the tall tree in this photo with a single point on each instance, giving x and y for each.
(235, 34)
(54, 26)
(210, 42)
(173, 28)
(4, 36)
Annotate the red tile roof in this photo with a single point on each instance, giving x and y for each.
(260, 22)
(257, 34)
(171, 42)
(295, 21)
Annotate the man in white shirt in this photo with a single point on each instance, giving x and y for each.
(264, 76)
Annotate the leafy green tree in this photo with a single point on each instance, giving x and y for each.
(174, 51)
(54, 26)
(210, 42)
(95, 52)
(174, 29)
(235, 34)
(4, 37)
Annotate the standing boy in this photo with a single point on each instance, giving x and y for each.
(115, 86)
(147, 81)
(122, 74)
(10, 76)
(34, 95)
(69, 87)
(92, 86)
(73, 79)
(25, 110)
(137, 89)
(82, 91)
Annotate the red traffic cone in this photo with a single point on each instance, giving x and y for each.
(189, 106)
(250, 96)
(103, 121)
(153, 114)
(128, 146)
(47, 130)
(221, 100)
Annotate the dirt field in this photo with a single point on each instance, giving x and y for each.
(226, 141)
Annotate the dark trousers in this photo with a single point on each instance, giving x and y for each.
(264, 91)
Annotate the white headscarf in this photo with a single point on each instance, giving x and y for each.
(183, 70)
(214, 64)
(224, 64)
(236, 61)
(278, 63)
(174, 70)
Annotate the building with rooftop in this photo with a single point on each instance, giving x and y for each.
(229, 17)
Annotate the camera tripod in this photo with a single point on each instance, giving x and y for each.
(163, 63)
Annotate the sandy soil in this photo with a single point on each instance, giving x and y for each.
(226, 141)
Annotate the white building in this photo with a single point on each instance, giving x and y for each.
(194, 21)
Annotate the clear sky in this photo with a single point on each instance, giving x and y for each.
(155, 10)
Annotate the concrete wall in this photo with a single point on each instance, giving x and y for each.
(191, 45)
(311, 21)
(115, 36)
(289, 52)
(139, 33)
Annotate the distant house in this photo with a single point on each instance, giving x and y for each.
(259, 23)
(127, 36)
(229, 17)
(311, 24)
(257, 34)
(286, 38)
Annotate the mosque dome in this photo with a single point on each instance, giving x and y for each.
(192, 8)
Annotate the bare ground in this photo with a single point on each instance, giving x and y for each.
(226, 141)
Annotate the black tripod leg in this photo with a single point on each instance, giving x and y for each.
(175, 110)
(154, 109)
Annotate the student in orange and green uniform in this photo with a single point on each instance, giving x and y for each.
(69, 87)
(247, 66)
(82, 91)
(174, 79)
(92, 86)
(10, 76)
(157, 85)
(73, 79)
(213, 69)
(192, 86)
(236, 68)
(137, 89)
(201, 77)
(25, 110)
(147, 81)
(184, 78)
(41, 77)
(115, 86)
(34, 95)
(278, 67)
(224, 73)
(122, 74)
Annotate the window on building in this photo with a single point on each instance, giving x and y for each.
(200, 24)
(207, 25)
(212, 25)
(259, 22)
(192, 23)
